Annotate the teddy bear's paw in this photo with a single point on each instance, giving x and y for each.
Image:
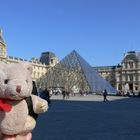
(30, 124)
(41, 107)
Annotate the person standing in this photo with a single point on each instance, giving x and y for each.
(63, 94)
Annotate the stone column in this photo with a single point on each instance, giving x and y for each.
(123, 78)
(128, 65)
(128, 78)
(134, 65)
(139, 77)
(134, 87)
(134, 78)
(139, 86)
(117, 86)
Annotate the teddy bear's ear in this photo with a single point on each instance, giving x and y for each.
(27, 65)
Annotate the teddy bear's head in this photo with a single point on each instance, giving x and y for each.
(15, 80)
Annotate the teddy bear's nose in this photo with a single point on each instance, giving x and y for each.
(18, 88)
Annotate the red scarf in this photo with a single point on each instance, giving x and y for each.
(4, 106)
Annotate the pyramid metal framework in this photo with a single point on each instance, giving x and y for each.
(73, 73)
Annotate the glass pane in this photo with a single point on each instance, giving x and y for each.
(73, 72)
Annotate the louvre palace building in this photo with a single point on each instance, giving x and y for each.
(127, 72)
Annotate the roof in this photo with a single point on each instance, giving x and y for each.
(46, 57)
(130, 56)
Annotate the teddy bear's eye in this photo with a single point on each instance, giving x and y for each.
(26, 81)
(6, 81)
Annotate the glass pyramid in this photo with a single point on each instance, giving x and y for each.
(74, 74)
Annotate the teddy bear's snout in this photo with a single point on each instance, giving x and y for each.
(18, 88)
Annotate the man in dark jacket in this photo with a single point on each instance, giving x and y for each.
(45, 95)
(105, 95)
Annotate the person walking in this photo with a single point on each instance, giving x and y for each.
(105, 95)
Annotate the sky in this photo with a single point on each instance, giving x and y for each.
(101, 31)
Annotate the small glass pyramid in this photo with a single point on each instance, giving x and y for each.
(73, 73)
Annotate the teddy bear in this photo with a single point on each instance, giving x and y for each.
(15, 88)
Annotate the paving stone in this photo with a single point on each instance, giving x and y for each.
(89, 118)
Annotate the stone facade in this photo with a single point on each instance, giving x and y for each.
(3, 50)
(127, 72)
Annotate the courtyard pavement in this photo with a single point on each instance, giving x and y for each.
(89, 118)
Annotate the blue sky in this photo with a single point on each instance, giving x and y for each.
(101, 31)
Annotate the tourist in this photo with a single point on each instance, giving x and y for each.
(67, 94)
(45, 95)
(105, 95)
(63, 94)
(39, 91)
